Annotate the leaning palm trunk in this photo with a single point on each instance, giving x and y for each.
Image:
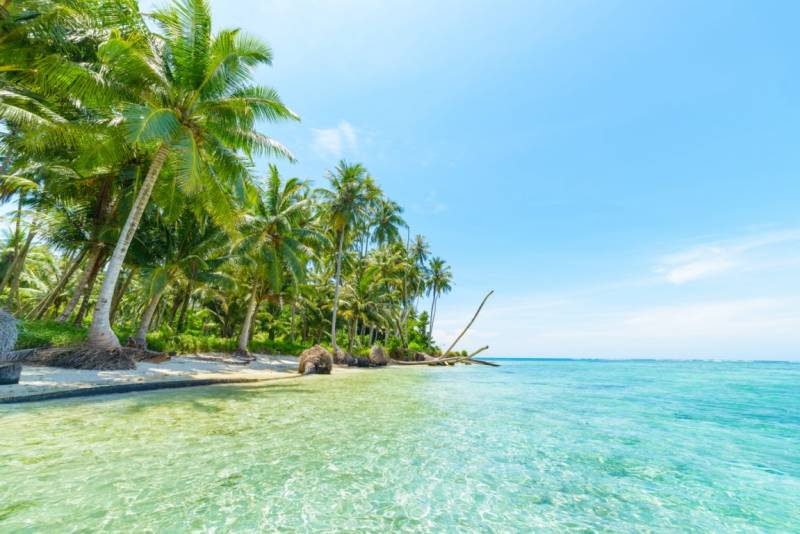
(83, 281)
(244, 335)
(336, 289)
(42, 307)
(184, 307)
(140, 338)
(19, 266)
(100, 333)
(15, 255)
(430, 323)
(11, 268)
(119, 292)
(87, 295)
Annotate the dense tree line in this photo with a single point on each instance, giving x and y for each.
(127, 144)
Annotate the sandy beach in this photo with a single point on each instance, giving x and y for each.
(39, 379)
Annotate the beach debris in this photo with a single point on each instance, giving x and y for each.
(82, 357)
(316, 360)
(341, 357)
(453, 345)
(377, 356)
(448, 358)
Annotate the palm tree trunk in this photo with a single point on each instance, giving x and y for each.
(87, 295)
(18, 223)
(100, 333)
(19, 266)
(15, 254)
(291, 324)
(244, 335)
(140, 338)
(336, 289)
(82, 283)
(433, 314)
(16, 238)
(184, 307)
(42, 307)
(351, 331)
(177, 300)
(304, 327)
(119, 291)
(7, 275)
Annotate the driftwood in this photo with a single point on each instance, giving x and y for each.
(452, 346)
(452, 360)
(436, 361)
(478, 352)
(484, 362)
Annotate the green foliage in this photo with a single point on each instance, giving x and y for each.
(34, 334)
(90, 97)
(37, 334)
(165, 341)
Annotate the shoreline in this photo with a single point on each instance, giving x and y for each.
(40, 383)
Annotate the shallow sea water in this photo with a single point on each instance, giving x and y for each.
(532, 446)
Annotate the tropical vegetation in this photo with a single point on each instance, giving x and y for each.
(136, 212)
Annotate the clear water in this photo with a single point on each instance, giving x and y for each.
(530, 446)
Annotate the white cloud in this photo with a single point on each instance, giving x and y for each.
(743, 328)
(752, 311)
(699, 263)
(336, 141)
(718, 257)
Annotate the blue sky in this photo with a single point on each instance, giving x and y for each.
(624, 174)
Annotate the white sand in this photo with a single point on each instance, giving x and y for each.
(35, 379)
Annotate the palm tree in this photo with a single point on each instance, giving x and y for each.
(420, 250)
(387, 222)
(439, 282)
(345, 204)
(186, 97)
(276, 243)
(188, 249)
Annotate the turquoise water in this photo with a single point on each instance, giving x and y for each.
(554, 446)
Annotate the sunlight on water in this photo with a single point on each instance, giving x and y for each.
(560, 446)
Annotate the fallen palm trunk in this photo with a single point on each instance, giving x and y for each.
(484, 362)
(435, 361)
(453, 345)
(452, 360)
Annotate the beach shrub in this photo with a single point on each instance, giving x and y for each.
(38, 334)
(35, 334)
(188, 342)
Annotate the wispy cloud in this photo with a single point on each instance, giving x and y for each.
(752, 311)
(715, 258)
(327, 142)
(750, 328)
